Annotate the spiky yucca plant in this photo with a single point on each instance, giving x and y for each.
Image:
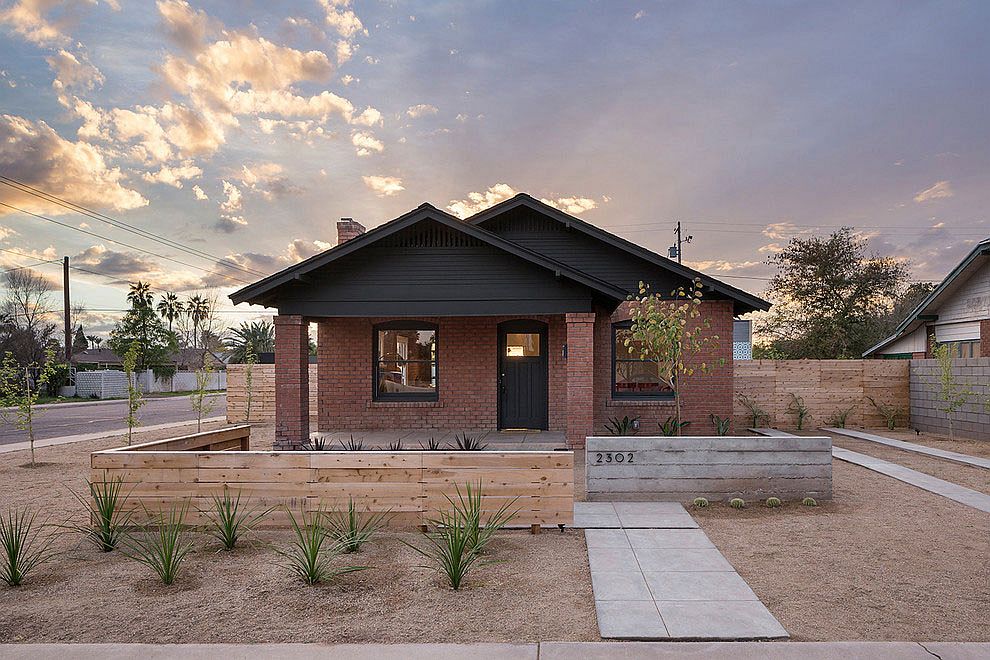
(468, 507)
(312, 551)
(161, 544)
(451, 550)
(23, 550)
(351, 529)
(465, 442)
(107, 520)
(230, 519)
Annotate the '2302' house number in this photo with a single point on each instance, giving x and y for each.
(613, 457)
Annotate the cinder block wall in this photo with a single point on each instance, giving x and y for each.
(973, 419)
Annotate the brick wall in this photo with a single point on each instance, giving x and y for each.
(467, 374)
(701, 394)
(972, 420)
(291, 381)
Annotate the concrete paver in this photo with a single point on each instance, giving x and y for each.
(924, 481)
(719, 619)
(620, 585)
(965, 459)
(702, 585)
(630, 619)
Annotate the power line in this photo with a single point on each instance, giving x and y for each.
(127, 245)
(120, 224)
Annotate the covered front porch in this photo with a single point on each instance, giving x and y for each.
(425, 438)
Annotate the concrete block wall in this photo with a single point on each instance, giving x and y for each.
(104, 384)
(973, 419)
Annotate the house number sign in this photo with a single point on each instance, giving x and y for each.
(606, 457)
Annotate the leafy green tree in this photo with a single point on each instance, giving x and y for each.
(832, 299)
(156, 345)
(135, 399)
(666, 332)
(201, 404)
(258, 337)
(19, 393)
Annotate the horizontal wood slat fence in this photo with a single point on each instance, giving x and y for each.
(827, 387)
(411, 484)
(262, 393)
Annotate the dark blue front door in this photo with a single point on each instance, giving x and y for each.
(523, 375)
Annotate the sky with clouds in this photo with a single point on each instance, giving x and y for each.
(241, 131)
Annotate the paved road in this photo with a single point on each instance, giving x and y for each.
(67, 419)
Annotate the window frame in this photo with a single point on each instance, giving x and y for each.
(626, 396)
(411, 324)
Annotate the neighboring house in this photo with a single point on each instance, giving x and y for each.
(742, 340)
(511, 319)
(185, 359)
(957, 313)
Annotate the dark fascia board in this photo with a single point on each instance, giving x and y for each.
(257, 291)
(522, 199)
(914, 320)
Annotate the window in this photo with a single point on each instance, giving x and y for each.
(964, 349)
(405, 361)
(522, 344)
(633, 378)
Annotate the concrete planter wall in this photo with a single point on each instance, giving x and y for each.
(719, 468)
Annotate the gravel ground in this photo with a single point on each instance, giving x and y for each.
(535, 587)
(979, 448)
(882, 561)
(964, 475)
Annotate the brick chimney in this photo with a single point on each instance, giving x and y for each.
(348, 228)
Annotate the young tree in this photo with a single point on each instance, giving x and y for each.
(831, 298)
(201, 404)
(19, 393)
(135, 399)
(664, 331)
(952, 394)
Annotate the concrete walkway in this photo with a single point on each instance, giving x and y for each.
(927, 482)
(655, 575)
(965, 459)
(532, 651)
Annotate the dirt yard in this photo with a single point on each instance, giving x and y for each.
(537, 588)
(979, 448)
(883, 561)
(958, 473)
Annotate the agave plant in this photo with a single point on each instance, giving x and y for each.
(351, 529)
(23, 551)
(352, 444)
(395, 445)
(107, 520)
(161, 544)
(671, 427)
(313, 550)
(230, 520)
(465, 442)
(624, 426)
(721, 425)
(315, 443)
(431, 445)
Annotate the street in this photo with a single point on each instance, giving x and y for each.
(67, 419)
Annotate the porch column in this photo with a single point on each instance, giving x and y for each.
(291, 382)
(324, 373)
(580, 377)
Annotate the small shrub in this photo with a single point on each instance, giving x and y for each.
(395, 446)
(23, 551)
(671, 427)
(737, 503)
(889, 413)
(809, 501)
(721, 425)
(838, 418)
(797, 408)
(106, 520)
(161, 545)
(352, 444)
(315, 443)
(312, 551)
(755, 412)
(351, 529)
(701, 503)
(773, 502)
(450, 550)
(625, 426)
(431, 445)
(467, 442)
(230, 520)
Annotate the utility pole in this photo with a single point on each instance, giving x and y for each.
(66, 310)
(676, 249)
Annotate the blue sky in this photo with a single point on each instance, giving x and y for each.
(245, 129)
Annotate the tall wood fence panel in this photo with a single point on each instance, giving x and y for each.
(262, 393)
(827, 387)
(412, 485)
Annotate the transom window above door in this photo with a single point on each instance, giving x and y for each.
(405, 361)
(522, 344)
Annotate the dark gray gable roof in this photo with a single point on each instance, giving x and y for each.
(522, 199)
(912, 322)
(256, 293)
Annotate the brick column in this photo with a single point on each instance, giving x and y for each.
(985, 338)
(580, 378)
(291, 382)
(324, 373)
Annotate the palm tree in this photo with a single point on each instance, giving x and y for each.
(170, 308)
(95, 341)
(199, 310)
(140, 295)
(259, 336)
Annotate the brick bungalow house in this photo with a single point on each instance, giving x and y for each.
(509, 319)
